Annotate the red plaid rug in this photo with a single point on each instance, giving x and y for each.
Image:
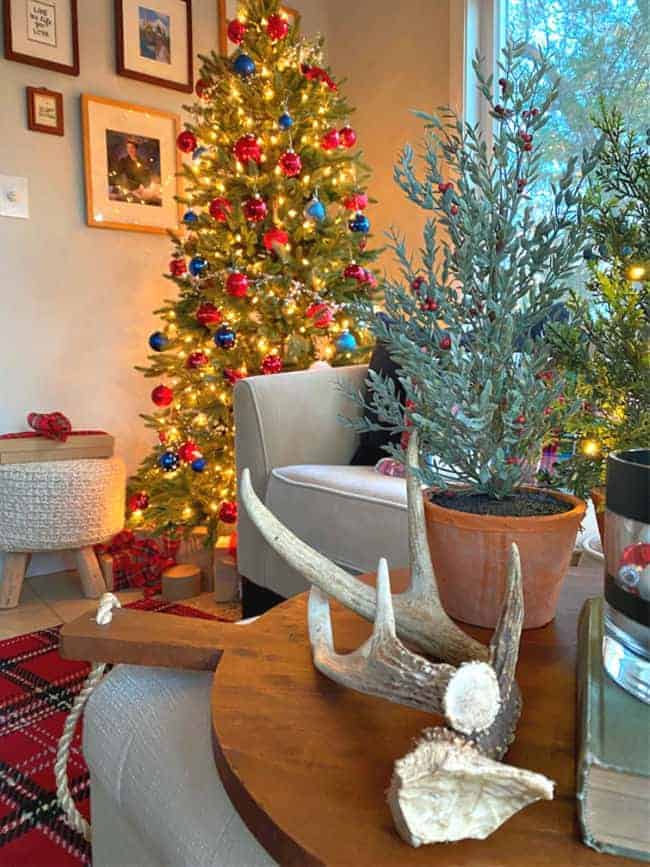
(37, 688)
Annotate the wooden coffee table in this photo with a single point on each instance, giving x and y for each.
(306, 762)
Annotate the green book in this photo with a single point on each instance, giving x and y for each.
(613, 784)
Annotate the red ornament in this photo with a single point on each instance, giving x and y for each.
(201, 87)
(162, 436)
(348, 136)
(278, 27)
(208, 314)
(453, 210)
(232, 376)
(247, 149)
(330, 140)
(417, 283)
(355, 272)
(186, 141)
(237, 284)
(370, 280)
(162, 395)
(196, 360)
(322, 314)
(528, 146)
(177, 267)
(228, 512)
(445, 342)
(220, 208)
(236, 31)
(521, 419)
(271, 364)
(138, 502)
(290, 163)
(430, 306)
(188, 451)
(315, 73)
(356, 202)
(274, 238)
(255, 209)
(442, 187)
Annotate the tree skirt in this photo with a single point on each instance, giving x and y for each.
(37, 688)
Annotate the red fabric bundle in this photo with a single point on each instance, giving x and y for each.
(53, 425)
(140, 562)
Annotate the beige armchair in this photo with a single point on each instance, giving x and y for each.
(288, 435)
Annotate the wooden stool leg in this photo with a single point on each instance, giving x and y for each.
(91, 576)
(11, 583)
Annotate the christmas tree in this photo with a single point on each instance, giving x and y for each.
(272, 251)
(466, 327)
(608, 342)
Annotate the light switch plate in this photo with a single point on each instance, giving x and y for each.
(14, 197)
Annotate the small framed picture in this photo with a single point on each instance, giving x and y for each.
(154, 42)
(44, 110)
(43, 33)
(227, 10)
(131, 165)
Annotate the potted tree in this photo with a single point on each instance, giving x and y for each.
(606, 343)
(467, 330)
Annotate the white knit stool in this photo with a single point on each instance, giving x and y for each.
(58, 506)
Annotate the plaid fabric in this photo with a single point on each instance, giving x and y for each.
(53, 425)
(37, 689)
(139, 562)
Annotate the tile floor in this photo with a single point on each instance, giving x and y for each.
(48, 600)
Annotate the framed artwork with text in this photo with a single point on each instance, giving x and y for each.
(131, 166)
(154, 42)
(42, 33)
(44, 110)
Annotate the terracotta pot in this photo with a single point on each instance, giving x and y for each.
(598, 499)
(470, 556)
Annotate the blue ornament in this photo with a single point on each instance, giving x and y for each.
(225, 337)
(347, 342)
(589, 254)
(197, 153)
(158, 341)
(285, 121)
(197, 266)
(199, 465)
(627, 250)
(359, 223)
(190, 217)
(244, 66)
(316, 209)
(168, 461)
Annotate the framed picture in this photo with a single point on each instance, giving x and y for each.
(43, 33)
(227, 10)
(154, 42)
(44, 110)
(131, 165)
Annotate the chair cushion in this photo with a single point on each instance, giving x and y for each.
(353, 515)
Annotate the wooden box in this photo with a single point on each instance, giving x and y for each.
(30, 449)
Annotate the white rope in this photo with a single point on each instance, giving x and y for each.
(74, 818)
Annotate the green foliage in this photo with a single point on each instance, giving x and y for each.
(493, 267)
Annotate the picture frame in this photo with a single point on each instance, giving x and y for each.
(44, 110)
(42, 33)
(227, 10)
(131, 166)
(153, 42)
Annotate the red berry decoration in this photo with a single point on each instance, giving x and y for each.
(255, 209)
(355, 272)
(290, 163)
(417, 283)
(274, 238)
(442, 187)
(278, 27)
(177, 267)
(528, 146)
(330, 140)
(431, 306)
(521, 419)
(370, 279)
(220, 208)
(188, 451)
(208, 314)
(271, 364)
(162, 436)
(196, 360)
(356, 202)
(162, 395)
(186, 141)
(138, 502)
(445, 342)
(201, 87)
(322, 314)
(232, 376)
(247, 149)
(237, 284)
(236, 31)
(228, 513)
(453, 210)
(347, 136)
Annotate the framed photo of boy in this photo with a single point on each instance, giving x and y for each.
(131, 165)
(44, 110)
(42, 33)
(154, 42)
(227, 10)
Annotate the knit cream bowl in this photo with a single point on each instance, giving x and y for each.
(58, 505)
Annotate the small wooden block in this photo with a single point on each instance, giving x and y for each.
(13, 574)
(181, 582)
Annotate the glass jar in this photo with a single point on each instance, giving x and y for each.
(626, 641)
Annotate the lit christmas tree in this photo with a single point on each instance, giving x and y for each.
(272, 252)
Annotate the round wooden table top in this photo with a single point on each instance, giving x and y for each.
(307, 762)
